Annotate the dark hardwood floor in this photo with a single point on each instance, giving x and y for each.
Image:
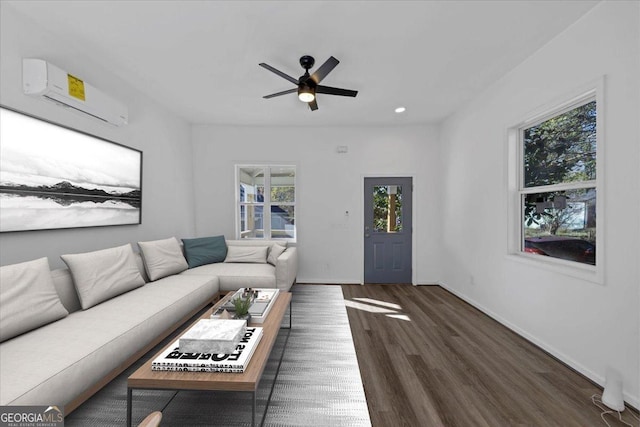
(447, 364)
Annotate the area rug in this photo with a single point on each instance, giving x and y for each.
(318, 382)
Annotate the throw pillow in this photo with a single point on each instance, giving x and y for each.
(28, 298)
(102, 275)
(162, 258)
(205, 250)
(253, 254)
(274, 252)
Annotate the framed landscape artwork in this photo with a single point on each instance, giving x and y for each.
(55, 177)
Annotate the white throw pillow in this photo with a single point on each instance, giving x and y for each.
(274, 252)
(162, 258)
(253, 254)
(28, 298)
(102, 275)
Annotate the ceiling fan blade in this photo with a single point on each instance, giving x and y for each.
(284, 92)
(335, 91)
(313, 105)
(278, 72)
(324, 69)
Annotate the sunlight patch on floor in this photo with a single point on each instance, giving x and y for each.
(367, 307)
(378, 302)
(367, 304)
(399, 316)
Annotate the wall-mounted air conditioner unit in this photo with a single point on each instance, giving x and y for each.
(42, 79)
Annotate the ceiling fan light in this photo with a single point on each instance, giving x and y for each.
(305, 94)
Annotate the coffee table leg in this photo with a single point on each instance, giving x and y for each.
(253, 411)
(290, 315)
(129, 403)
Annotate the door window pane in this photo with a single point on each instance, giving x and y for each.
(387, 208)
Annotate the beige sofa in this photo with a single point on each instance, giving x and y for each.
(65, 362)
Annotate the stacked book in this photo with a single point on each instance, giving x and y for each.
(220, 336)
(262, 298)
(172, 359)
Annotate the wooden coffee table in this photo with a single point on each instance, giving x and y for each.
(248, 381)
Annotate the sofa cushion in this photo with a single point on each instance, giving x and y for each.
(162, 258)
(274, 252)
(86, 345)
(204, 250)
(28, 298)
(233, 276)
(247, 254)
(63, 283)
(255, 242)
(101, 275)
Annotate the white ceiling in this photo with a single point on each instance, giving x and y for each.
(200, 58)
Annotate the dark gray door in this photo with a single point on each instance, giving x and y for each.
(387, 230)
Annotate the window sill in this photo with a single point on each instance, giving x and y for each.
(585, 272)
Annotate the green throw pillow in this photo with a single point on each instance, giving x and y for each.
(205, 250)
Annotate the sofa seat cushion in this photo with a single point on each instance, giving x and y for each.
(233, 276)
(66, 357)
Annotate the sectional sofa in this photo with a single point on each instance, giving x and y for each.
(66, 333)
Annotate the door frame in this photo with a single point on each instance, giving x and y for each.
(413, 213)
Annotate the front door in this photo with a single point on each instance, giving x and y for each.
(387, 230)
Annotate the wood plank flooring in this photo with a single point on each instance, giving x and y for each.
(447, 364)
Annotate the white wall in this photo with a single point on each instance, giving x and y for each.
(589, 325)
(163, 138)
(328, 185)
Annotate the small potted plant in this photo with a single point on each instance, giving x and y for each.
(241, 305)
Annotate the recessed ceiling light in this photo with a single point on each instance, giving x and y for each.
(400, 110)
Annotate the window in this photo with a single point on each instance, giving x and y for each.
(387, 208)
(557, 183)
(266, 202)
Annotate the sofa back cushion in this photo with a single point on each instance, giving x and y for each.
(275, 251)
(251, 254)
(162, 258)
(276, 247)
(28, 298)
(102, 275)
(63, 283)
(256, 242)
(204, 250)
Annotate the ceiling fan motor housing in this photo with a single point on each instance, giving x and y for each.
(307, 62)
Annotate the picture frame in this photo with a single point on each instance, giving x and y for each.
(56, 177)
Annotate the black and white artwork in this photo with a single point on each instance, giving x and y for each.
(56, 177)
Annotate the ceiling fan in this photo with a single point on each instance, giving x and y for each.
(309, 85)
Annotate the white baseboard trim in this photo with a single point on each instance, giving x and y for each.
(631, 400)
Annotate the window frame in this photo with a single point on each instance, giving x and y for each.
(266, 204)
(517, 190)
